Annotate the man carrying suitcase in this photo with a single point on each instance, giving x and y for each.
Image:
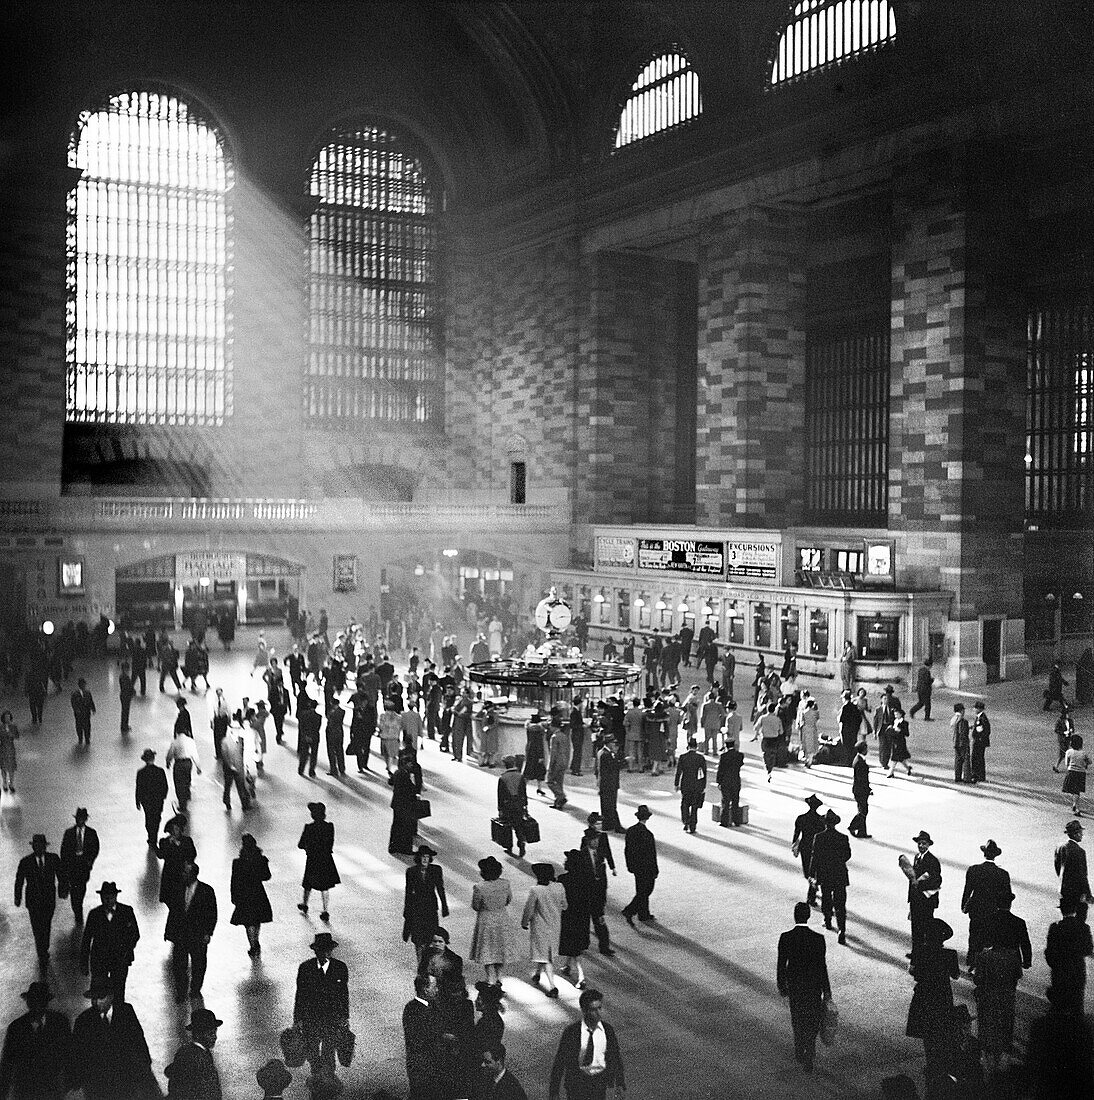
(512, 808)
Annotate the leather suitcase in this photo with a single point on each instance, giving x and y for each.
(740, 814)
(501, 832)
(531, 830)
(715, 812)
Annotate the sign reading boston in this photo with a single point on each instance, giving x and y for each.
(682, 556)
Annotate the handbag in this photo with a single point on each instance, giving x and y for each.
(829, 1023)
(422, 808)
(293, 1046)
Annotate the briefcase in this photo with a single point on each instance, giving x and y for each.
(345, 1046)
(501, 832)
(531, 830)
(293, 1047)
(716, 812)
(740, 814)
(422, 808)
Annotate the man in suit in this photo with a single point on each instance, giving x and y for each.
(191, 920)
(109, 1054)
(884, 720)
(802, 977)
(193, 1074)
(831, 853)
(126, 691)
(83, 707)
(422, 1035)
(806, 827)
(1066, 951)
(588, 1059)
(151, 793)
(606, 767)
(110, 936)
(691, 782)
(79, 850)
(496, 1082)
(597, 849)
(985, 887)
(924, 883)
(33, 1063)
(43, 877)
(321, 1008)
(640, 853)
(860, 791)
(1070, 863)
(1004, 929)
(513, 801)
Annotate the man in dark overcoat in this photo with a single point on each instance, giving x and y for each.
(321, 1008)
(597, 849)
(109, 1054)
(607, 767)
(110, 936)
(83, 707)
(422, 1035)
(640, 854)
(41, 875)
(191, 920)
(32, 1066)
(151, 793)
(691, 782)
(986, 885)
(806, 827)
(831, 853)
(79, 850)
(193, 1074)
(802, 977)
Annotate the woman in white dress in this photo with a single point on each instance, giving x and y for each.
(543, 919)
(807, 727)
(490, 939)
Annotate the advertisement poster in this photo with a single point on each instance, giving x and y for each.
(682, 556)
(613, 552)
(759, 560)
(345, 572)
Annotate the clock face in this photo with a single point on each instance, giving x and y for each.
(560, 616)
(543, 614)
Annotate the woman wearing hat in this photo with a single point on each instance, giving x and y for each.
(490, 939)
(535, 758)
(423, 897)
(542, 917)
(489, 1028)
(250, 869)
(320, 873)
(176, 849)
(9, 734)
(573, 940)
(406, 785)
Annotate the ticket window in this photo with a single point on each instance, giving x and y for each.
(789, 626)
(585, 602)
(623, 608)
(761, 625)
(878, 638)
(663, 610)
(712, 615)
(602, 610)
(735, 623)
(818, 633)
(645, 614)
(689, 621)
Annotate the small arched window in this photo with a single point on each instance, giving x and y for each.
(374, 306)
(148, 265)
(665, 95)
(822, 33)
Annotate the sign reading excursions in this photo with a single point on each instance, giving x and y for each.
(753, 559)
(682, 556)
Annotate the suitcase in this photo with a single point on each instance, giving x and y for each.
(422, 808)
(715, 812)
(531, 830)
(501, 832)
(740, 814)
(782, 753)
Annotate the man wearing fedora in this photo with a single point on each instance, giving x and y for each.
(109, 1054)
(924, 874)
(193, 1074)
(806, 827)
(151, 794)
(111, 934)
(321, 1008)
(1070, 863)
(985, 886)
(596, 848)
(691, 782)
(1068, 947)
(513, 801)
(79, 850)
(191, 921)
(828, 867)
(606, 768)
(640, 854)
(32, 1065)
(802, 976)
(42, 876)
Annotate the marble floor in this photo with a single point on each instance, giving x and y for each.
(692, 997)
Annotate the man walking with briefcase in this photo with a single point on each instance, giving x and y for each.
(512, 809)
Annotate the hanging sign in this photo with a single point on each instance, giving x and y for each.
(215, 565)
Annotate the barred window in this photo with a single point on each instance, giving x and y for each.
(375, 330)
(847, 426)
(822, 33)
(665, 95)
(1060, 415)
(149, 265)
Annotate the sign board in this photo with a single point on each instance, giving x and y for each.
(880, 562)
(345, 572)
(70, 576)
(753, 559)
(613, 552)
(682, 556)
(216, 565)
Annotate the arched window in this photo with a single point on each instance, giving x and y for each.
(820, 33)
(665, 95)
(148, 265)
(375, 329)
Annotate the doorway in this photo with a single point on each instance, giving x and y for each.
(991, 648)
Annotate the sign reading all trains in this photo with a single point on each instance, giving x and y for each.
(682, 556)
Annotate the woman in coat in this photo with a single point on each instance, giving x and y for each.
(423, 897)
(900, 754)
(320, 873)
(535, 764)
(543, 919)
(406, 785)
(573, 939)
(490, 939)
(176, 849)
(933, 967)
(9, 734)
(252, 907)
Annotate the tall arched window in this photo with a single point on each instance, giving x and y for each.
(665, 95)
(820, 33)
(148, 265)
(375, 329)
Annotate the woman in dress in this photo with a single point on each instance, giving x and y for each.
(543, 919)
(573, 939)
(535, 764)
(9, 734)
(1076, 765)
(423, 898)
(250, 869)
(262, 655)
(406, 785)
(900, 754)
(489, 900)
(488, 731)
(807, 729)
(176, 849)
(933, 966)
(654, 728)
(320, 873)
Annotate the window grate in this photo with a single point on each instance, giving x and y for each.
(823, 33)
(1060, 415)
(847, 426)
(665, 96)
(375, 330)
(149, 266)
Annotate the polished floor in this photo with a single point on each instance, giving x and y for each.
(692, 997)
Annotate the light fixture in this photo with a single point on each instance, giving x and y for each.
(1029, 460)
(1077, 596)
(598, 598)
(48, 627)
(707, 609)
(204, 582)
(419, 570)
(639, 602)
(661, 605)
(111, 626)
(450, 553)
(683, 608)
(1050, 597)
